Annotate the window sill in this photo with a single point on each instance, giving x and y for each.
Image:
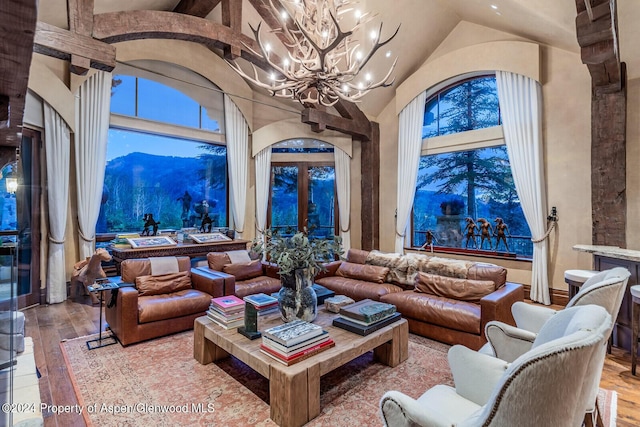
(473, 253)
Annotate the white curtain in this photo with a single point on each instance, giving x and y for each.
(409, 147)
(57, 151)
(521, 107)
(263, 176)
(92, 121)
(343, 185)
(237, 135)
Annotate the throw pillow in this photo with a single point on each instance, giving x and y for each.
(244, 270)
(163, 284)
(366, 272)
(217, 260)
(454, 288)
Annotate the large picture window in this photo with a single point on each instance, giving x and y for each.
(465, 197)
(303, 189)
(180, 181)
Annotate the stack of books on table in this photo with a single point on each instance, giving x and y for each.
(263, 303)
(295, 341)
(227, 311)
(366, 316)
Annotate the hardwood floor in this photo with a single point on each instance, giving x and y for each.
(48, 325)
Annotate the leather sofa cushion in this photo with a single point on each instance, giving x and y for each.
(357, 289)
(132, 268)
(485, 271)
(217, 260)
(369, 273)
(163, 284)
(168, 306)
(451, 287)
(357, 256)
(261, 284)
(453, 314)
(244, 270)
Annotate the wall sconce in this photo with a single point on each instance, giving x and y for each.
(12, 185)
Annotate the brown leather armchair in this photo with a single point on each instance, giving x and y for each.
(158, 305)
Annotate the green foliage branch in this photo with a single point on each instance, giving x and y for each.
(298, 251)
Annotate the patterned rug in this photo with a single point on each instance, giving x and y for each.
(128, 386)
(159, 383)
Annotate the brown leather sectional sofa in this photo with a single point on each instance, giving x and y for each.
(159, 305)
(444, 299)
(241, 279)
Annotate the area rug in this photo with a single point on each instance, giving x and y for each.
(607, 402)
(159, 383)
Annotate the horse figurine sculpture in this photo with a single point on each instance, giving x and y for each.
(88, 270)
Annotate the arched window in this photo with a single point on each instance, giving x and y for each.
(165, 156)
(465, 192)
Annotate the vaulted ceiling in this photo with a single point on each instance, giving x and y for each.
(425, 25)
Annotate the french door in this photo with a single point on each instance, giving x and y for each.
(303, 195)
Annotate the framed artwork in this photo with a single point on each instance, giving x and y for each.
(209, 237)
(151, 242)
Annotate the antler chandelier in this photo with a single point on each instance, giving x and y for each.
(323, 60)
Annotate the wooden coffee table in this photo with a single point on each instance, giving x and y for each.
(294, 391)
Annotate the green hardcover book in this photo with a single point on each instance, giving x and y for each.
(367, 310)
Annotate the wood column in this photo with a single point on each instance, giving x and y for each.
(370, 188)
(608, 165)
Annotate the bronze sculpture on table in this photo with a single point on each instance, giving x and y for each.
(149, 224)
(501, 233)
(207, 223)
(430, 240)
(486, 230)
(470, 230)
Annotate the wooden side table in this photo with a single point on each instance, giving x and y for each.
(635, 303)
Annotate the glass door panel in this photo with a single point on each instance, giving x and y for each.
(321, 201)
(284, 199)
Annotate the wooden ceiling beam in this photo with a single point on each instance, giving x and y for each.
(199, 8)
(16, 51)
(232, 18)
(62, 44)
(116, 27)
(321, 120)
(80, 19)
(597, 34)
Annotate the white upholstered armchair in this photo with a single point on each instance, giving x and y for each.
(547, 385)
(605, 289)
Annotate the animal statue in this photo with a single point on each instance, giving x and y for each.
(501, 232)
(486, 230)
(88, 270)
(207, 224)
(149, 224)
(470, 229)
(430, 240)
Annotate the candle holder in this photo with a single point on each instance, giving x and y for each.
(250, 328)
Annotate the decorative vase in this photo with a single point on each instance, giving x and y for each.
(297, 299)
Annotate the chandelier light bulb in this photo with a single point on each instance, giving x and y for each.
(367, 77)
(267, 47)
(373, 34)
(358, 55)
(284, 14)
(388, 54)
(345, 88)
(285, 62)
(273, 76)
